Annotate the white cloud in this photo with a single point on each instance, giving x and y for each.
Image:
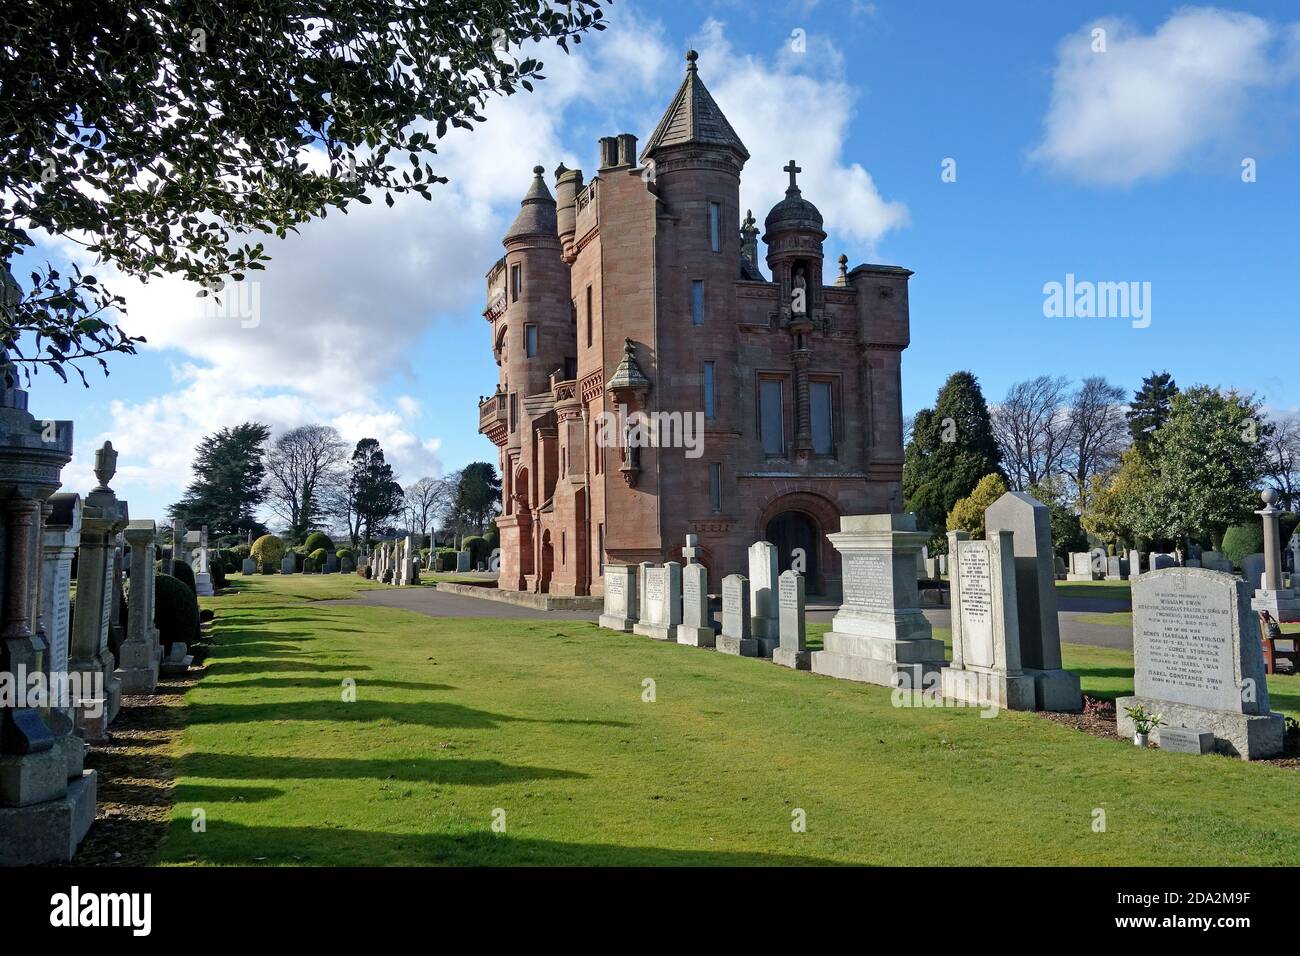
(798, 105)
(1149, 102)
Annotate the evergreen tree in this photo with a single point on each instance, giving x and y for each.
(952, 448)
(477, 494)
(374, 494)
(228, 481)
(1150, 407)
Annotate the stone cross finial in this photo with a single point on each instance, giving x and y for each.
(793, 170)
(692, 550)
(105, 465)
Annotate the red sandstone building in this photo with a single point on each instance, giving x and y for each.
(635, 292)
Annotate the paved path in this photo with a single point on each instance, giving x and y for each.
(434, 603)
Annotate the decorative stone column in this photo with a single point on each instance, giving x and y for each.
(102, 517)
(60, 539)
(202, 573)
(43, 816)
(1271, 596)
(140, 654)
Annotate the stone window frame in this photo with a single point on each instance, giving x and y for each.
(709, 384)
(715, 487)
(516, 280)
(531, 353)
(786, 381)
(589, 316)
(836, 382)
(715, 225)
(703, 303)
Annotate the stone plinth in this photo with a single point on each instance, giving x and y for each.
(879, 634)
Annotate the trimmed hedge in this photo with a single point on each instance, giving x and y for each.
(268, 549)
(1241, 540)
(176, 611)
(180, 571)
(316, 541)
(478, 549)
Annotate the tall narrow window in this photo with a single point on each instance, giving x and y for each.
(514, 410)
(697, 302)
(715, 486)
(564, 547)
(715, 226)
(588, 316)
(771, 420)
(600, 546)
(819, 401)
(708, 391)
(530, 340)
(516, 282)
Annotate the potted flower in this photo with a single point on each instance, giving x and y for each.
(1143, 723)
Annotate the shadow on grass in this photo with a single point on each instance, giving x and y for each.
(425, 714)
(204, 793)
(307, 665)
(328, 682)
(233, 843)
(464, 772)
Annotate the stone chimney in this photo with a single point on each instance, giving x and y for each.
(627, 149)
(568, 183)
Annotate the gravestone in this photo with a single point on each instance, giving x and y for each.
(1134, 563)
(47, 797)
(1216, 561)
(1252, 569)
(1058, 567)
(1080, 566)
(735, 638)
(1270, 595)
(764, 625)
(1098, 563)
(248, 566)
(91, 660)
(642, 568)
(202, 573)
(879, 635)
(691, 553)
(1116, 568)
(696, 628)
(347, 565)
(62, 535)
(462, 560)
(140, 651)
(331, 562)
(289, 563)
(1197, 661)
(1163, 561)
(621, 609)
(663, 603)
(793, 649)
(985, 666)
(1184, 741)
(1294, 545)
(1030, 524)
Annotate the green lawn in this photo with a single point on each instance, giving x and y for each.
(457, 718)
(1102, 590)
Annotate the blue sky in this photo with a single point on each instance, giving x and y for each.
(1122, 165)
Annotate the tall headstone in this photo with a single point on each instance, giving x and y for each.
(1116, 568)
(202, 572)
(879, 635)
(289, 563)
(663, 603)
(61, 538)
(331, 561)
(691, 552)
(248, 566)
(1030, 524)
(1294, 545)
(642, 568)
(140, 653)
(1252, 569)
(985, 666)
(621, 608)
(696, 628)
(1270, 595)
(1134, 563)
(1197, 661)
(1162, 561)
(735, 638)
(1080, 566)
(793, 649)
(47, 798)
(462, 561)
(765, 626)
(102, 517)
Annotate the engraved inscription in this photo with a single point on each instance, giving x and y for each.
(868, 583)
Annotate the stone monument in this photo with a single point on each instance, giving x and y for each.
(140, 652)
(985, 666)
(202, 573)
(663, 603)
(1030, 524)
(620, 612)
(1080, 566)
(735, 638)
(879, 634)
(696, 628)
(764, 625)
(1270, 595)
(793, 649)
(1197, 662)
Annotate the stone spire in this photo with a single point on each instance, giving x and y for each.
(694, 118)
(537, 211)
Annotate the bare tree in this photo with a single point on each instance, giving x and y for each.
(424, 501)
(1282, 445)
(1033, 429)
(1099, 431)
(299, 463)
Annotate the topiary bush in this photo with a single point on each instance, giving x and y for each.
(445, 559)
(175, 612)
(217, 570)
(316, 541)
(180, 571)
(342, 553)
(239, 552)
(478, 549)
(318, 557)
(267, 551)
(1241, 540)
(308, 565)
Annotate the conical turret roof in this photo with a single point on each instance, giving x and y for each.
(537, 211)
(693, 117)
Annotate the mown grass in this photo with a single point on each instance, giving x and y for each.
(458, 719)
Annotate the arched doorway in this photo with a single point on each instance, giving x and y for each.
(796, 533)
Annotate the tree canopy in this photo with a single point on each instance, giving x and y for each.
(162, 136)
(228, 481)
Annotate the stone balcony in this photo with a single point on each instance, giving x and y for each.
(494, 417)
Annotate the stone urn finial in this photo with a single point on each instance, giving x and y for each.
(105, 465)
(1268, 496)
